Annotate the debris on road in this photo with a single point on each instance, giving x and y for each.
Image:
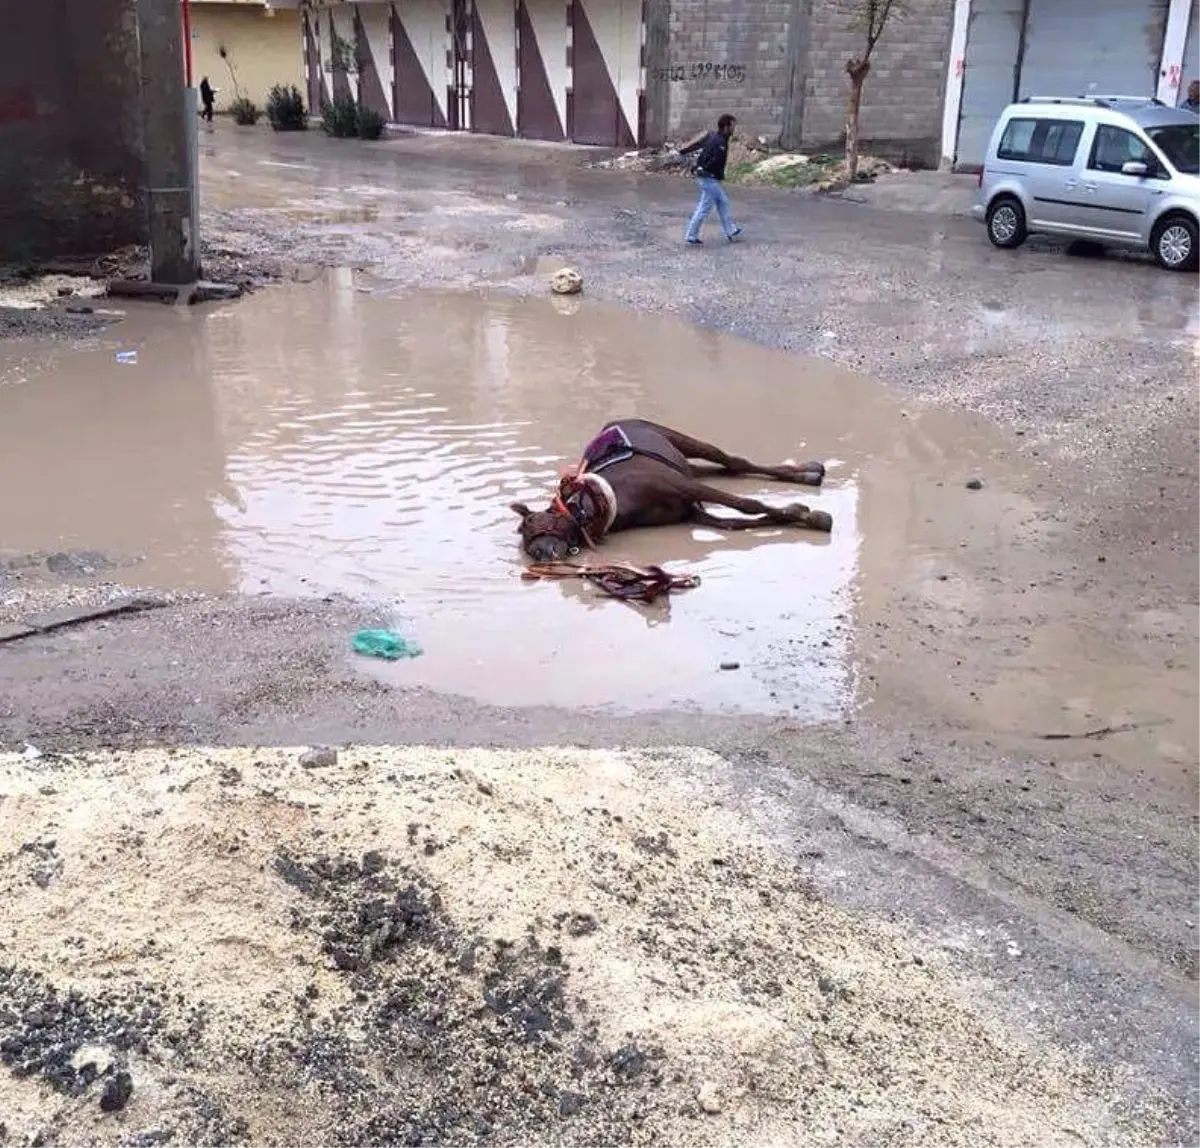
(81, 615)
(385, 644)
(617, 579)
(320, 757)
(756, 162)
(566, 281)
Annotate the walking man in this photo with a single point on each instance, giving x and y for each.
(206, 98)
(710, 174)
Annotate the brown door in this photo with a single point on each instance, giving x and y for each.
(537, 55)
(493, 68)
(370, 81)
(594, 109)
(418, 42)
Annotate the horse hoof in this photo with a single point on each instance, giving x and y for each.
(820, 520)
(817, 468)
(813, 477)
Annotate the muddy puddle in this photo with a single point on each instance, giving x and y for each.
(325, 438)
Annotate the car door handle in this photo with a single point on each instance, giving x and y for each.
(1071, 184)
(1091, 188)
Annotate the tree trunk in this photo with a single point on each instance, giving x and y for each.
(857, 70)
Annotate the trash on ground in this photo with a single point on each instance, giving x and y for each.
(618, 579)
(386, 644)
(126, 356)
(756, 161)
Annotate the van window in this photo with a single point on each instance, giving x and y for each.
(1181, 145)
(1115, 147)
(1040, 141)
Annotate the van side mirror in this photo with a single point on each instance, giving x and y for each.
(1135, 167)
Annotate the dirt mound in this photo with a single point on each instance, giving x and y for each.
(754, 162)
(423, 947)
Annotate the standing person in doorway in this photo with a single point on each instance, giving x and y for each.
(710, 174)
(206, 98)
(1192, 103)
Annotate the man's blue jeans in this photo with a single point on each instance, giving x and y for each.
(712, 194)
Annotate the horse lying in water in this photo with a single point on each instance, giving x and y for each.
(637, 473)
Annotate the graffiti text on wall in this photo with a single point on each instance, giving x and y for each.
(706, 71)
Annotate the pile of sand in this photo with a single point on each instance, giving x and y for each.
(426, 946)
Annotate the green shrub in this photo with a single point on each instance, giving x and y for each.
(244, 111)
(340, 118)
(285, 109)
(370, 124)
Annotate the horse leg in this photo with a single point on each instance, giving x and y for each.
(807, 473)
(759, 513)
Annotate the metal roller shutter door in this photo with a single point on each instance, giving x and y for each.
(605, 65)
(1106, 46)
(989, 76)
(542, 74)
(1191, 53)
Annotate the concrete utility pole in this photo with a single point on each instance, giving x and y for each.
(169, 134)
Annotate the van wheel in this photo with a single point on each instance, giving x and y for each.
(1174, 243)
(1006, 222)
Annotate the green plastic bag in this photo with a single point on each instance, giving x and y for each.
(386, 644)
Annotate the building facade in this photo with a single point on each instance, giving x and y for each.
(1005, 50)
(245, 47)
(625, 73)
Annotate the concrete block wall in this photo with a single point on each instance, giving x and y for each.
(780, 67)
(725, 56)
(70, 128)
(902, 100)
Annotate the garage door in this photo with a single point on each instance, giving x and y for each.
(420, 73)
(493, 67)
(606, 52)
(542, 69)
(1073, 47)
(1191, 53)
(373, 49)
(989, 76)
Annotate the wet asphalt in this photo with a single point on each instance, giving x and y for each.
(1089, 361)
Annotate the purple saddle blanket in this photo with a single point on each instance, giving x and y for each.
(619, 442)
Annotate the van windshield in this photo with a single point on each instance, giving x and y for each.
(1180, 143)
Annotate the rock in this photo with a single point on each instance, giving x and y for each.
(731, 665)
(319, 757)
(566, 281)
(975, 484)
(65, 292)
(570, 1103)
(117, 1091)
(708, 1098)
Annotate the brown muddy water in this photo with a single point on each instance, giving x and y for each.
(324, 437)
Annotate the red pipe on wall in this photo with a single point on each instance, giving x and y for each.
(187, 43)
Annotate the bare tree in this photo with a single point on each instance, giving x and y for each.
(870, 19)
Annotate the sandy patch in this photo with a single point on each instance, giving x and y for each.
(427, 946)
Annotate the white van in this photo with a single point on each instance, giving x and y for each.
(1118, 170)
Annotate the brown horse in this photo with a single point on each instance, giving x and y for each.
(637, 473)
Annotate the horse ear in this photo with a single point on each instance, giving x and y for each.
(519, 508)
